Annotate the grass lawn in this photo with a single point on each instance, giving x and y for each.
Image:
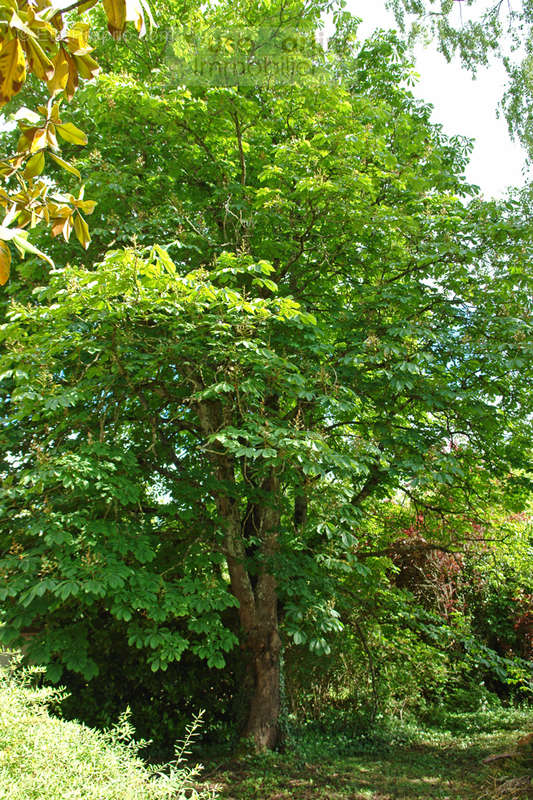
(443, 762)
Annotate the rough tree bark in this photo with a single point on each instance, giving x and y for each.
(257, 596)
(263, 642)
(263, 718)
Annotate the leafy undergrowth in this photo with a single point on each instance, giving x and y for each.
(45, 758)
(434, 762)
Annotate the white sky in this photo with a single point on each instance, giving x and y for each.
(462, 104)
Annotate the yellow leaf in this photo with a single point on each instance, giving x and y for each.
(59, 79)
(16, 22)
(8, 168)
(63, 226)
(12, 70)
(39, 140)
(51, 138)
(34, 166)
(5, 263)
(121, 11)
(38, 61)
(57, 21)
(87, 206)
(53, 111)
(25, 140)
(72, 82)
(116, 17)
(82, 231)
(65, 165)
(70, 133)
(86, 66)
(78, 38)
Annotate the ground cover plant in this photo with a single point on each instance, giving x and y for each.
(411, 762)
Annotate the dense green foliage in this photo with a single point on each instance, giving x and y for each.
(203, 441)
(447, 631)
(46, 758)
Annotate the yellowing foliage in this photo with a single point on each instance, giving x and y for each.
(41, 40)
(12, 69)
(5, 263)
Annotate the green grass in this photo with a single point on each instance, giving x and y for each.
(443, 761)
(45, 758)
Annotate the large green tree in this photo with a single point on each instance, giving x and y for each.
(337, 326)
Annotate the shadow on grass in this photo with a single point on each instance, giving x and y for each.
(450, 768)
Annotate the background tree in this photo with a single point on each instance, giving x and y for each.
(337, 325)
(426, 632)
(481, 31)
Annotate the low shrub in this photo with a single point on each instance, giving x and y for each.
(46, 758)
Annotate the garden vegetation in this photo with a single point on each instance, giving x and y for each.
(46, 758)
(265, 432)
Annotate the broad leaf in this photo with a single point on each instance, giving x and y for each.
(12, 70)
(65, 165)
(5, 262)
(70, 133)
(116, 11)
(82, 231)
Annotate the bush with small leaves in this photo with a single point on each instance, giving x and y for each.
(45, 758)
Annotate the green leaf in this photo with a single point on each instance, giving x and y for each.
(65, 165)
(70, 133)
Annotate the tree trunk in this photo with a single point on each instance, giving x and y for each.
(263, 641)
(263, 719)
(257, 597)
